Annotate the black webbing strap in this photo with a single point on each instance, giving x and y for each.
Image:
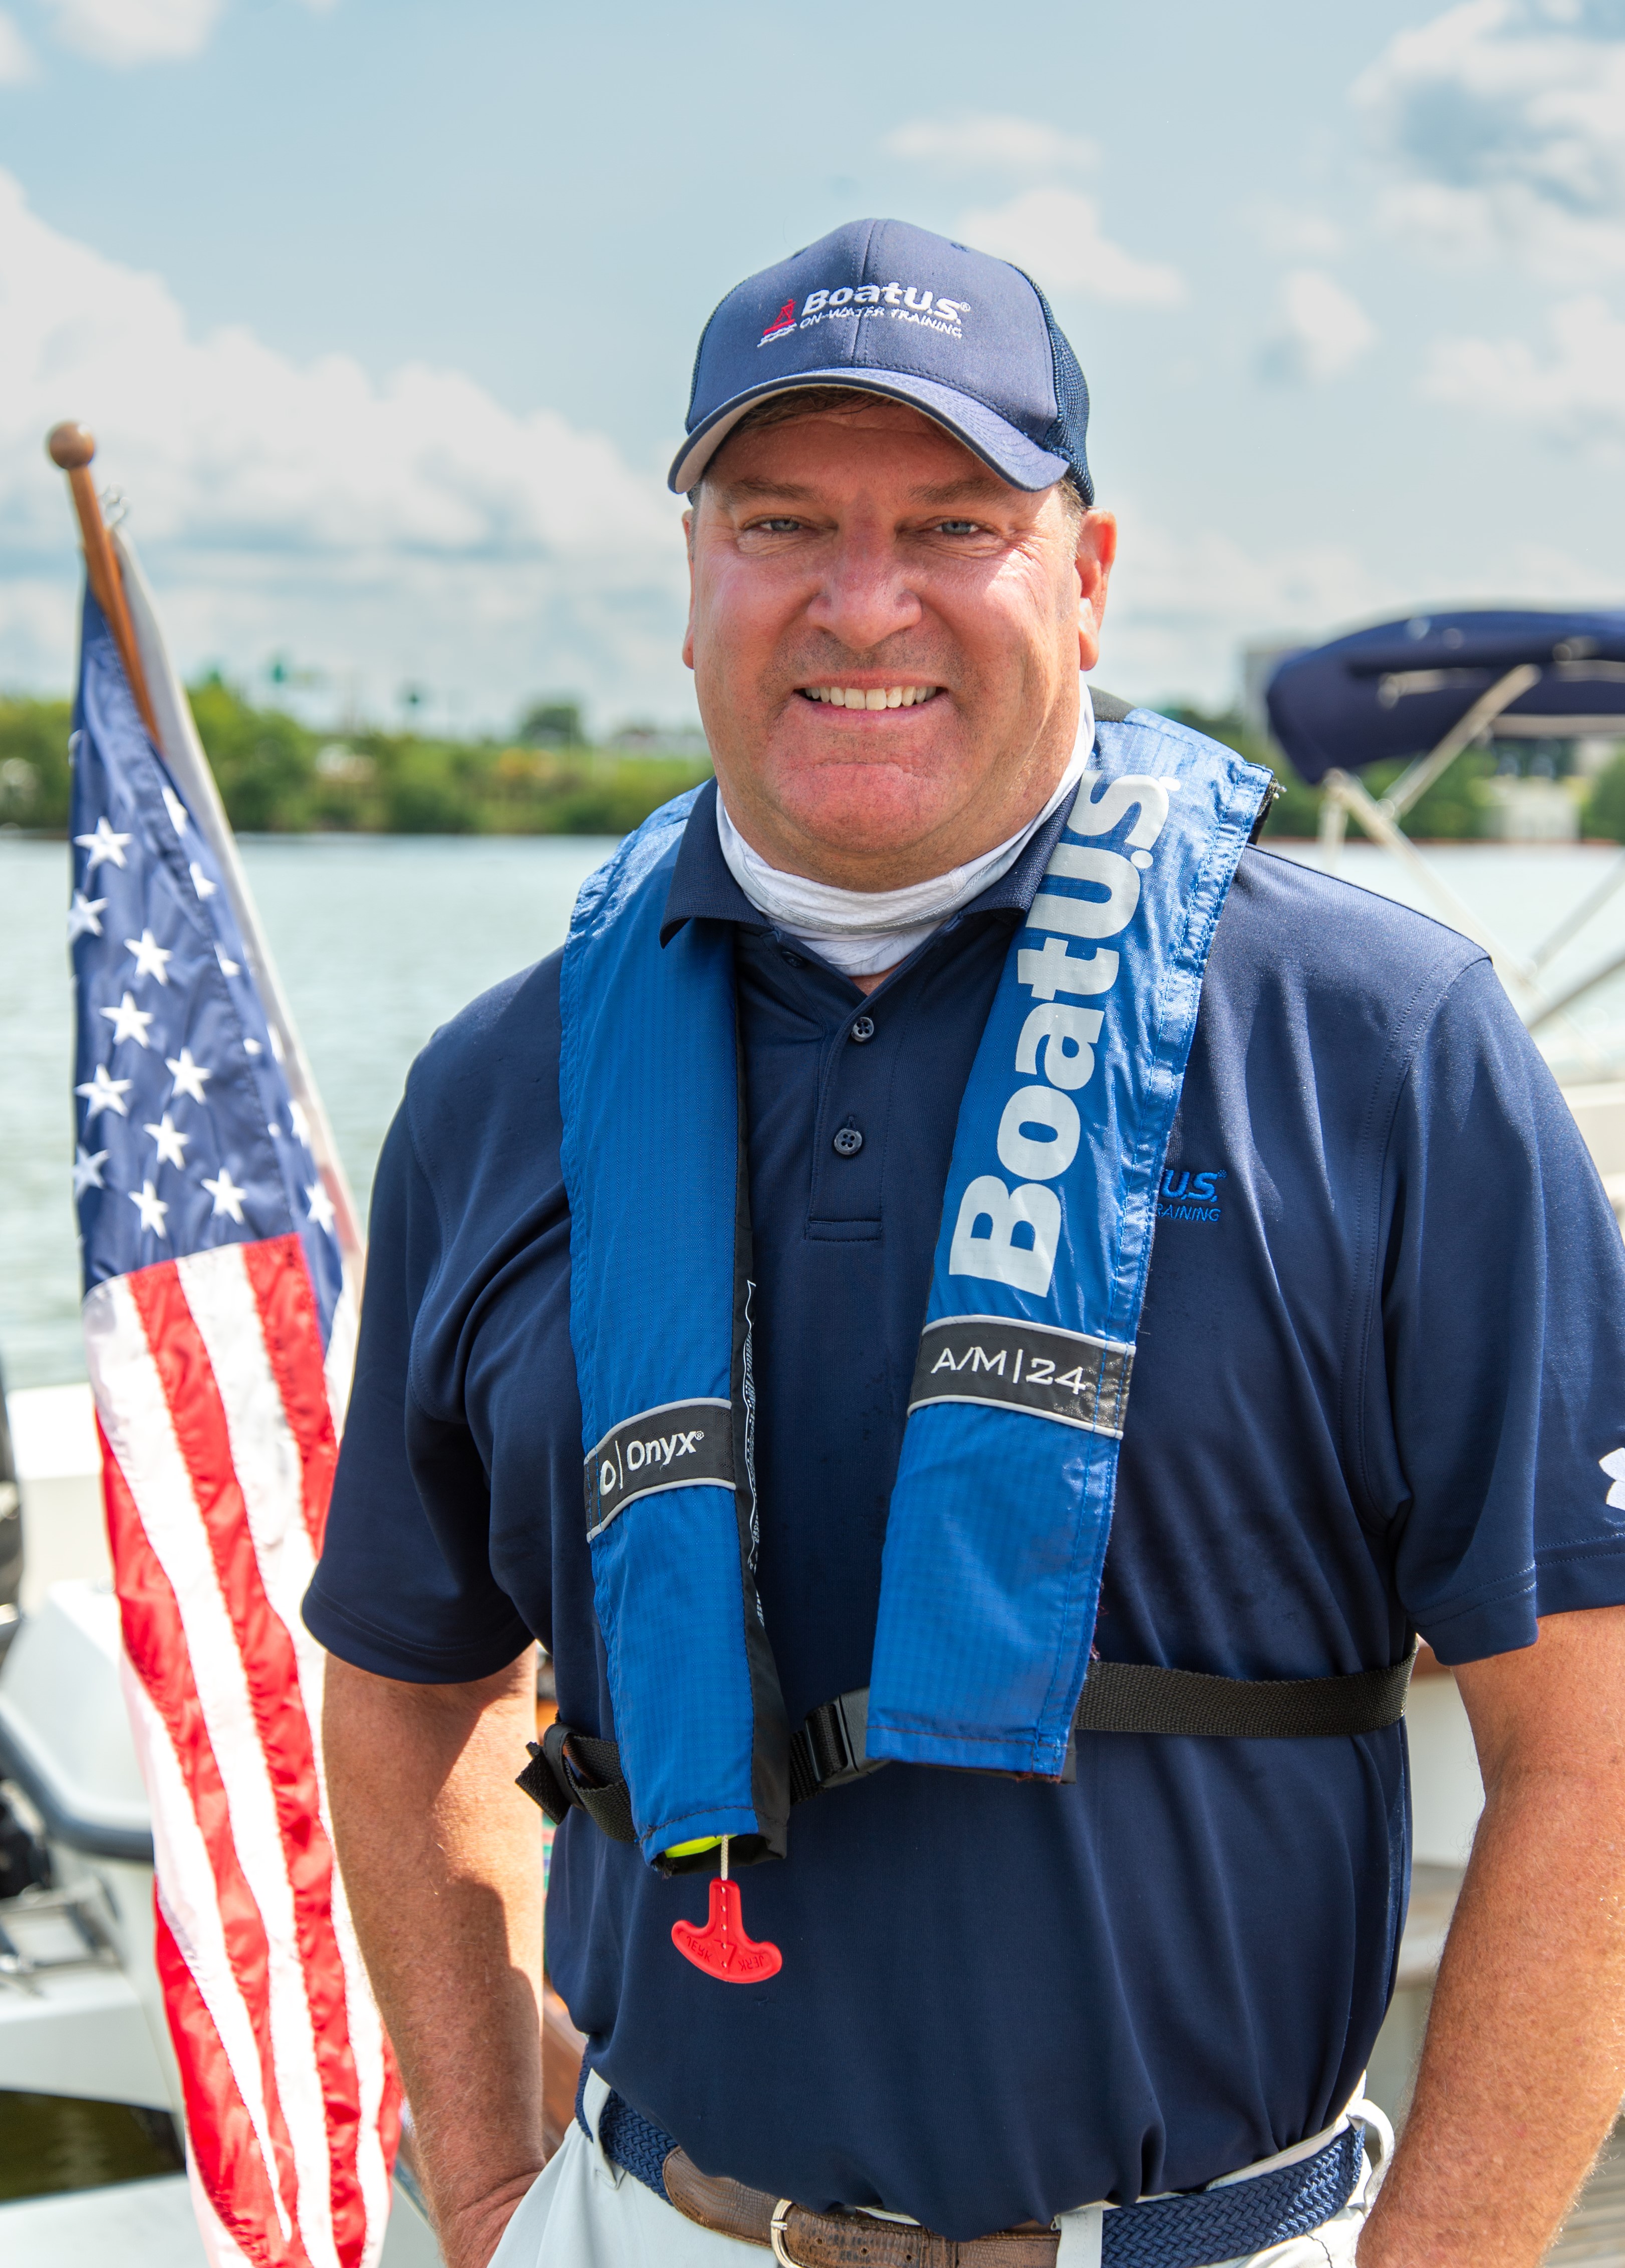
(1132, 1697)
(589, 1777)
(1119, 1697)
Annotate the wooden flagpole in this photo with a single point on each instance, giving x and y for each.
(72, 447)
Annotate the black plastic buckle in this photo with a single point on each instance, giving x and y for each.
(830, 1749)
(1273, 794)
(545, 1779)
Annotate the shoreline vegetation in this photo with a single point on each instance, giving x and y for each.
(279, 776)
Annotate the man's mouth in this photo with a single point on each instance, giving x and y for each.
(877, 697)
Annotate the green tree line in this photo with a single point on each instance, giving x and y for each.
(278, 776)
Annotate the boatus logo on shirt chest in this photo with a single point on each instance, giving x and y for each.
(1185, 1194)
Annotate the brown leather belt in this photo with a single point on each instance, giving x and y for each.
(799, 2238)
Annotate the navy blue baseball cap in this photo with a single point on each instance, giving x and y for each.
(886, 308)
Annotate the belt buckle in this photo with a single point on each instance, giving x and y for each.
(776, 2233)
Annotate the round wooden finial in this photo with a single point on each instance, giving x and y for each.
(72, 447)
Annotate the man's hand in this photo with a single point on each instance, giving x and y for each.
(1523, 2066)
(441, 1857)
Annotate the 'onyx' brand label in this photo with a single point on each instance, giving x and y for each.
(897, 303)
(678, 1444)
(1050, 1373)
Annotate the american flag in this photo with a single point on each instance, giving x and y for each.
(218, 1321)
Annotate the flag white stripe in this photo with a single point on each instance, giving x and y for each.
(339, 1364)
(366, 2039)
(135, 1415)
(189, 1895)
(264, 1452)
(221, 1297)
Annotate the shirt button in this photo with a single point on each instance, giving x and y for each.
(848, 1142)
(863, 1029)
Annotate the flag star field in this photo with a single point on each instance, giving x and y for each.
(187, 1135)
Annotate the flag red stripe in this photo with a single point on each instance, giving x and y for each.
(225, 2149)
(271, 1674)
(280, 1278)
(155, 1642)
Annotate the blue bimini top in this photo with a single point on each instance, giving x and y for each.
(1380, 1356)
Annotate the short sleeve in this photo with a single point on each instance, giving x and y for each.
(392, 1593)
(1494, 1382)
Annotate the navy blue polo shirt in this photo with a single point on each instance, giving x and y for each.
(1380, 1357)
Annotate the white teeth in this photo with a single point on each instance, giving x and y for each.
(854, 696)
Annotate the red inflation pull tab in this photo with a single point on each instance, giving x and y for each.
(721, 1948)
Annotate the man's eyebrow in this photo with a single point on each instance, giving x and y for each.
(749, 488)
(968, 489)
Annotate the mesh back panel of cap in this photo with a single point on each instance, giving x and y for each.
(1066, 436)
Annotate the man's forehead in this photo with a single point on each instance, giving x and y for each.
(799, 454)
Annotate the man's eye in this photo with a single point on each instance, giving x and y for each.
(783, 527)
(959, 527)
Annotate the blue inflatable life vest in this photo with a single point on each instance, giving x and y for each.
(1003, 1502)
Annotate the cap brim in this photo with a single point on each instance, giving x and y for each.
(1000, 445)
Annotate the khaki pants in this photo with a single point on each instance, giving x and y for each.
(586, 2212)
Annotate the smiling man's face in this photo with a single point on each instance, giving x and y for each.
(864, 554)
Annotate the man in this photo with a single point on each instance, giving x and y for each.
(1373, 1375)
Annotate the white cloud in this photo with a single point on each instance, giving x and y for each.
(1504, 122)
(1300, 233)
(1184, 600)
(126, 31)
(992, 142)
(415, 529)
(1319, 333)
(16, 63)
(1574, 395)
(1055, 235)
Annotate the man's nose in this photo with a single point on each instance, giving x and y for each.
(865, 596)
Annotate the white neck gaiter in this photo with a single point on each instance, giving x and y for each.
(862, 932)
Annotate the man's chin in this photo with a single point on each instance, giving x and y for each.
(867, 811)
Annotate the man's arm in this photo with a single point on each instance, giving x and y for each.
(441, 1857)
(1523, 2066)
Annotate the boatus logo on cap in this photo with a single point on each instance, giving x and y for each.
(899, 303)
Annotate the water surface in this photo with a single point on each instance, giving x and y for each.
(381, 938)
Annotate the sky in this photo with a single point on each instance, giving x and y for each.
(384, 311)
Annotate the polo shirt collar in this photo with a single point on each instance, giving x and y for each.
(703, 889)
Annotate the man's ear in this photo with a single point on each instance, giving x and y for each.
(689, 518)
(1097, 552)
